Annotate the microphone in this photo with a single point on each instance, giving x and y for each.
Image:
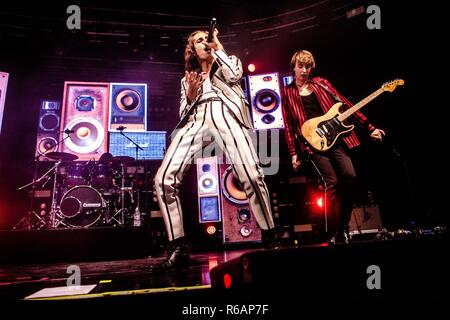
(212, 26)
(121, 128)
(68, 131)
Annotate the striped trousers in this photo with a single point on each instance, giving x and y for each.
(210, 119)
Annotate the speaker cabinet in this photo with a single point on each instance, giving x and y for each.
(238, 222)
(365, 219)
(48, 127)
(265, 99)
(128, 106)
(42, 204)
(208, 188)
(85, 112)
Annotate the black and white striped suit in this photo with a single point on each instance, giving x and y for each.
(220, 110)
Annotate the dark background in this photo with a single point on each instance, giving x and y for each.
(137, 42)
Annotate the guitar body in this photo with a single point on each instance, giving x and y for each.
(322, 132)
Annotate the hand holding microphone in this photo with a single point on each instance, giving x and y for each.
(212, 41)
(212, 26)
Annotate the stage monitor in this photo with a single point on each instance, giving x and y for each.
(153, 144)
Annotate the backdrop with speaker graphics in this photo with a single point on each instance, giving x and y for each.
(48, 128)
(128, 106)
(85, 112)
(265, 100)
(221, 197)
(238, 221)
(208, 188)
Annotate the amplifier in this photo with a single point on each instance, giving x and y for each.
(153, 144)
(365, 220)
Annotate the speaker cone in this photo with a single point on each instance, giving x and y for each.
(88, 135)
(47, 144)
(246, 231)
(232, 188)
(49, 122)
(85, 103)
(266, 100)
(207, 183)
(128, 100)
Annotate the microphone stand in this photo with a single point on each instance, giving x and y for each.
(137, 147)
(325, 187)
(137, 214)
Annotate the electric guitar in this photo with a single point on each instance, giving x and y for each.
(322, 132)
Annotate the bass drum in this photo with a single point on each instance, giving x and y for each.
(82, 206)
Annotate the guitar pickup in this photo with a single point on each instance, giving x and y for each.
(320, 132)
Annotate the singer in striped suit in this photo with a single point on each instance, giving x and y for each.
(212, 104)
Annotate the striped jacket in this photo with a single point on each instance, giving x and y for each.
(226, 75)
(294, 114)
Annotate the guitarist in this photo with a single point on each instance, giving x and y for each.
(307, 98)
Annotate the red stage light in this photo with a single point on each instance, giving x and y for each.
(227, 280)
(319, 202)
(251, 67)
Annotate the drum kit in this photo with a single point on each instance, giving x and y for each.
(95, 193)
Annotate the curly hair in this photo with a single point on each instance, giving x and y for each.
(190, 59)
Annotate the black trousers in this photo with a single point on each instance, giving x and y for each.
(339, 175)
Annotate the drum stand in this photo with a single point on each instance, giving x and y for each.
(55, 212)
(26, 222)
(136, 213)
(119, 216)
(32, 220)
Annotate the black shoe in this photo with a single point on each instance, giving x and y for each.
(177, 258)
(270, 239)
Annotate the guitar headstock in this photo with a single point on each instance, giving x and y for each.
(391, 85)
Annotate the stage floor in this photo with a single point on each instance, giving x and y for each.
(112, 277)
(271, 280)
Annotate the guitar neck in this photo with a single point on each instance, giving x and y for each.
(344, 115)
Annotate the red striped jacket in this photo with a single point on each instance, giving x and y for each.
(294, 114)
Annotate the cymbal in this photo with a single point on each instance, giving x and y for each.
(123, 159)
(63, 156)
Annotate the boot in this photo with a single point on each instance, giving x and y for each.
(270, 239)
(177, 257)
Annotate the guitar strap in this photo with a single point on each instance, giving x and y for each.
(334, 94)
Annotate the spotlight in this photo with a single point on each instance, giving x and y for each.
(251, 67)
